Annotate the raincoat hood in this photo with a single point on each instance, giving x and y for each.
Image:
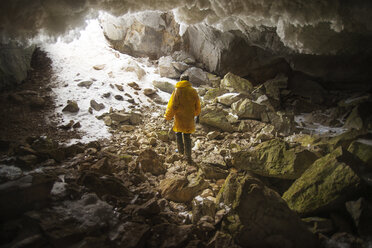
(183, 83)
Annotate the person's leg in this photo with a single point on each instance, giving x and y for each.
(179, 140)
(187, 140)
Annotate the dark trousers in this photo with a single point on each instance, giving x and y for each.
(184, 144)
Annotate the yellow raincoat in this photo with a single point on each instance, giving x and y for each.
(183, 105)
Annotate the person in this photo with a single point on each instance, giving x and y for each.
(183, 105)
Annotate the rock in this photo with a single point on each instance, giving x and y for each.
(344, 139)
(202, 207)
(302, 85)
(130, 234)
(197, 76)
(327, 183)
(72, 107)
(127, 128)
(274, 86)
(96, 106)
(134, 67)
(180, 189)
(180, 66)
(9, 173)
(221, 239)
(48, 148)
(119, 87)
(214, 80)
(213, 93)
(274, 158)
(214, 171)
(103, 166)
(363, 150)
(149, 91)
(149, 161)
(360, 117)
(107, 120)
(25, 193)
(164, 86)
(36, 101)
(283, 122)
(182, 56)
(119, 117)
(99, 67)
(228, 98)
(214, 135)
(259, 217)
(135, 118)
(107, 95)
(170, 235)
(319, 225)
(149, 208)
(234, 83)
(28, 159)
(248, 109)
(166, 69)
(216, 117)
(134, 85)
(361, 212)
(85, 84)
(251, 126)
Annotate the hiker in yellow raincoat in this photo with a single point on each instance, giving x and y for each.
(183, 105)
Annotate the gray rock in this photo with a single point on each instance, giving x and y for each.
(164, 86)
(96, 106)
(134, 67)
(246, 108)
(166, 69)
(197, 76)
(85, 84)
(228, 98)
(71, 106)
(216, 117)
(234, 83)
(149, 161)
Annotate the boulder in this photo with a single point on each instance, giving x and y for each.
(216, 117)
(166, 69)
(180, 189)
(164, 86)
(197, 76)
(319, 225)
(214, 171)
(212, 93)
(275, 85)
(180, 66)
(149, 161)
(363, 150)
(202, 207)
(119, 117)
(228, 98)
(325, 185)
(71, 107)
(234, 83)
(283, 122)
(103, 166)
(361, 212)
(259, 217)
(274, 158)
(360, 117)
(245, 108)
(184, 57)
(24, 193)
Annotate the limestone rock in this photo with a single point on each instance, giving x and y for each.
(234, 83)
(180, 66)
(164, 86)
(149, 91)
(282, 121)
(96, 106)
(211, 94)
(214, 171)
(361, 212)
(134, 85)
(72, 107)
(103, 166)
(259, 217)
(134, 67)
(360, 117)
(228, 98)
(275, 85)
(248, 109)
(119, 87)
(215, 117)
(166, 69)
(130, 234)
(99, 67)
(202, 207)
(363, 150)
(119, 117)
(274, 158)
(197, 76)
(328, 182)
(85, 84)
(182, 56)
(149, 161)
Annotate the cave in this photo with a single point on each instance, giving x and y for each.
(281, 155)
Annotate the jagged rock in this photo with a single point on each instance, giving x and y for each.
(149, 91)
(119, 87)
(245, 108)
(197, 76)
(76, 125)
(24, 193)
(275, 85)
(259, 217)
(344, 139)
(361, 212)
(213, 93)
(214, 170)
(180, 189)
(164, 86)
(134, 85)
(214, 80)
(202, 207)
(134, 67)
(180, 66)
(283, 122)
(72, 107)
(85, 84)
(228, 98)
(234, 83)
(360, 117)
(319, 225)
(182, 56)
(214, 135)
(149, 208)
(166, 69)
(9, 173)
(103, 166)
(274, 158)
(36, 101)
(130, 234)
(149, 161)
(328, 182)
(355, 100)
(221, 239)
(216, 117)
(29, 159)
(252, 126)
(170, 235)
(99, 67)
(96, 106)
(107, 95)
(270, 103)
(363, 150)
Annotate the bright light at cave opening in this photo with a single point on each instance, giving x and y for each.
(90, 58)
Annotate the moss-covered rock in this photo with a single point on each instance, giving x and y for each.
(328, 182)
(360, 117)
(274, 158)
(344, 139)
(246, 108)
(214, 92)
(259, 217)
(362, 150)
(216, 117)
(235, 83)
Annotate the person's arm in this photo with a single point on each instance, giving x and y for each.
(169, 113)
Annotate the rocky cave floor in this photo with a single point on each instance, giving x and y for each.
(133, 190)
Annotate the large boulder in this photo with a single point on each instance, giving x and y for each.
(282, 121)
(363, 150)
(274, 158)
(234, 83)
(259, 217)
(164, 86)
(146, 34)
(228, 98)
(15, 61)
(197, 76)
(247, 109)
(360, 117)
(326, 185)
(166, 68)
(216, 117)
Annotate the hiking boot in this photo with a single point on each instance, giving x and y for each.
(180, 145)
